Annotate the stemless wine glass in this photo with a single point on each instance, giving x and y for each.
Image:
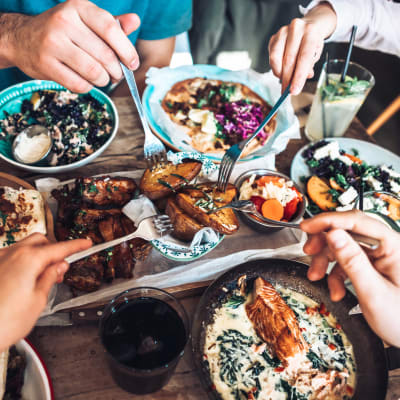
(335, 104)
(144, 331)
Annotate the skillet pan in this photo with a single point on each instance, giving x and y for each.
(371, 358)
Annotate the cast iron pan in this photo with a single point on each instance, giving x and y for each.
(371, 361)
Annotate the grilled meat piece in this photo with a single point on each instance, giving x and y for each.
(120, 261)
(89, 218)
(275, 322)
(68, 204)
(107, 191)
(140, 248)
(86, 274)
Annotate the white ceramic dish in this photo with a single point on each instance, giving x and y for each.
(371, 153)
(37, 382)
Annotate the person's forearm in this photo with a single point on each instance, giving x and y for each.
(9, 26)
(324, 16)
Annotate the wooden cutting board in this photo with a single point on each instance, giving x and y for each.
(17, 183)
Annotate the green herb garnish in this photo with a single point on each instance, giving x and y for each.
(166, 184)
(3, 217)
(93, 189)
(235, 301)
(180, 177)
(201, 103)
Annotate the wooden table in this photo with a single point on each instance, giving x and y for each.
(74, 355)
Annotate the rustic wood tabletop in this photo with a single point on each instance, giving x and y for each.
(74, 355)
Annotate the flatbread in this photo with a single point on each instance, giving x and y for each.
(21, 214)
(194, 103)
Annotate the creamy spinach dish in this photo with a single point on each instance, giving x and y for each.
(243, 366)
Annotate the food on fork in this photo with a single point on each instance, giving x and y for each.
(217, 114)
(92, 209)
(163, 181)
(274, 197)
(205, 197)
(21, 214)
(266, 341)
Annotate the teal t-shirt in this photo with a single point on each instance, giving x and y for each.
(160, 19)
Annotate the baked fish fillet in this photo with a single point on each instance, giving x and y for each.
(275, 322)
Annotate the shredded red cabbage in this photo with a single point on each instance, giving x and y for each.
(239, 120)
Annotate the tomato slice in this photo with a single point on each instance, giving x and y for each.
(258, 202)
(290, 208)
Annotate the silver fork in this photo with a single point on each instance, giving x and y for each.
(149, 228)
(154, 150)
(249, 207)
(233, 154)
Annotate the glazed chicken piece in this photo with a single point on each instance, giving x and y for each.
(107, 191)
(86, 274)
(140, 248)
(275, 322)
(89, 217)
(67, 203)
(120, 261)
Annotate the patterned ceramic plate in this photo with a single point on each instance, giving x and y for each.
(11, 100)
(178, 252)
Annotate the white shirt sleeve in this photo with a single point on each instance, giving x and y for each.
(378, 23)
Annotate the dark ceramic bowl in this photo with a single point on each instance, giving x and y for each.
(261, 226)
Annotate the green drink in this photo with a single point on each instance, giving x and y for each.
(336, 103)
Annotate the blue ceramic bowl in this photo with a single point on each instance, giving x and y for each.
(11, 100)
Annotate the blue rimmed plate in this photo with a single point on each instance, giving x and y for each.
(11, 100)
(158, 86)
(178, 252)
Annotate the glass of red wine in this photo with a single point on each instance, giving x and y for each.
(144, 331)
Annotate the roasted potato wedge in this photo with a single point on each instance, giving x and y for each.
(164, 181)
(198, 201)
(185, 227)
(318, 190)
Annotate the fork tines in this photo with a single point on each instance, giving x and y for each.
(225, 171)
(163, 224)
(155, 155)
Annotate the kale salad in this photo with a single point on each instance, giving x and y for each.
(337, 176)
(79, 124)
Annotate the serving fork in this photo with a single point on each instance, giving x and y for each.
(149, 229)
(247, 206)
(233, 154)
(154, 150)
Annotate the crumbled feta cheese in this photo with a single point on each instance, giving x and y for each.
(395, 187)
(392, 173)
(205, 118)
(345, 208)
(348, 196)
(332, 150)
(373, 182)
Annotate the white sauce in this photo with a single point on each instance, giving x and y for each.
(318, 330)
(32, 149)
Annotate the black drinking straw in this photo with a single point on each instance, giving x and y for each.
(349, 50)
(361, 197)
(324, 132)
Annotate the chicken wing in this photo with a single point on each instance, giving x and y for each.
(275, 322)
(106, 191)
(86, 274)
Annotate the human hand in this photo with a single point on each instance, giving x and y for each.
(28, 270)
(375, 274)
(75, 44)
(295, 48)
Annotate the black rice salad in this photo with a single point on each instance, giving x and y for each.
(330, 163)
(79, 124)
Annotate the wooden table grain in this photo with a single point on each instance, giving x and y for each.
(74, 355)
